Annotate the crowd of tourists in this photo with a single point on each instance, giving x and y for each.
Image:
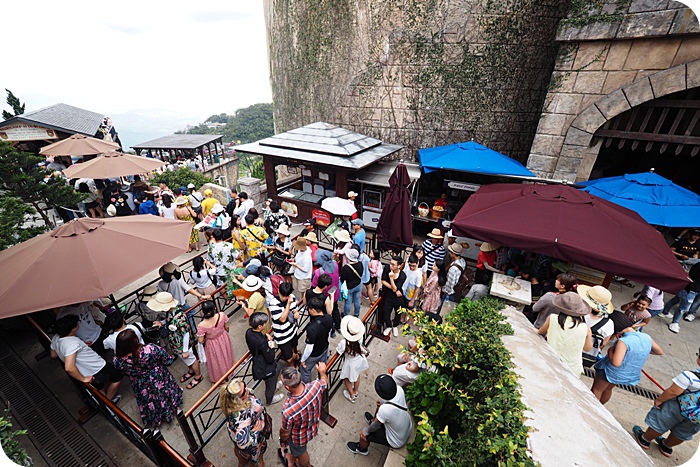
(275, 277)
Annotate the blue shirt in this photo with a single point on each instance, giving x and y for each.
(629, 372)
(365, 267)
(359, 239)
(148, 207)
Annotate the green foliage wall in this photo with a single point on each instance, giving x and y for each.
(469, 413)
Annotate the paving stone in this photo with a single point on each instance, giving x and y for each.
(613, 104)
(617, 79)
(589, 120)
(688, 51)
(653, 23)
(541, 163)
(617, 55)
(685, 22)
(669, 81)
(578, 137)
(590, 82)
(638, 92)
(652, 54)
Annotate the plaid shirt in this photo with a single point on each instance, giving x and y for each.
(301, 414)
(453, 276)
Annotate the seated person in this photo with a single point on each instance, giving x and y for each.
(480, 287)
(80, 361)
(114, 324)
(89, 332)
(391, 425)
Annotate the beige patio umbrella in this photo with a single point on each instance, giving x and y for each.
(78, 145)
(113, 164)
(86, 259)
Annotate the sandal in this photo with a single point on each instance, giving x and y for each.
(192, 384)
(186, 377)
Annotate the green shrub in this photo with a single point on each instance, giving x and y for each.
(182, 177)
(470, 412)
(12, 449)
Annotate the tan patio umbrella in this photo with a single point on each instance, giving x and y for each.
(86, 259)
(113, 164)
(78, 145)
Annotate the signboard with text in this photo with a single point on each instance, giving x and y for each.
(25, 132)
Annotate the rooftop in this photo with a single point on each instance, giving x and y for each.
(178, 142)
(62, 117)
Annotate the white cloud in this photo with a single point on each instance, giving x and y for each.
(184, 59)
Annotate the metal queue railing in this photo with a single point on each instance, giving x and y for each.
(149, 441)
(201, 422)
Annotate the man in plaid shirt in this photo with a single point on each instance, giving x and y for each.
(301, 413)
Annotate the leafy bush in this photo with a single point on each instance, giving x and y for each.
(470, 413)
(182, 177)
(12, 449)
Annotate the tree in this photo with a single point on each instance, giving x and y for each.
(17, 106)
(13, 217)
(221, 118)
(182, 177)
(22, 178)
(251, 124)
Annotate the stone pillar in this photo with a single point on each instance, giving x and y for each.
(251, 185)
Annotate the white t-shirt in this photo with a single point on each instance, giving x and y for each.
(168, 213)
(177, 288)
(88, 329)
(243, 209)
(195, 199)
(87, 361)
(608, 329)
(201, 278)
(397, 422)
(414, 281)
(303, 259)
(110, 341)
(688, 381)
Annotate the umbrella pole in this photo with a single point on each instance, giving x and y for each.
(114, 301)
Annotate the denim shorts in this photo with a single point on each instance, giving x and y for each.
(295, 450)
(669, 418)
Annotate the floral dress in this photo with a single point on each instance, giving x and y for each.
(157, 393)
(194, 235)
(251, 444)
(431, 295)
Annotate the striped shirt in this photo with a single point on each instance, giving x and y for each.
(283, 332)
(688, 381)
(432, 253)
(301, 414)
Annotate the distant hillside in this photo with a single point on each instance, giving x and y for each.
(246, 125)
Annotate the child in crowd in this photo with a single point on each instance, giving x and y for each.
(637, 311)
(201, 276)
(375, 271)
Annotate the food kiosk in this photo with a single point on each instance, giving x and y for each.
(318, 160)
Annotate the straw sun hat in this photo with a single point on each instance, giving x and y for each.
(486, 247)
(598, 297)
(163, 301)
(252, 283)
(352, 328)
(342, 236)
(435, 233)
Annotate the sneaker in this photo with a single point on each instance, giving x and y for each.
(666, 315)
(639, 436)
(355, 448)
(279, 386)
(689, 317)
(116, 399)
(665, 450)
(347, 395)
(387, 331)
(396, 332)
(674, 327)
(368, 418)
(277, 398)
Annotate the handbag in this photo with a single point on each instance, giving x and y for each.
(201, 353)
(267, 428)
(343, 290)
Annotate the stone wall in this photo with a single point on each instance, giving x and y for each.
(227, 168)
(603, 70)
(413, 72)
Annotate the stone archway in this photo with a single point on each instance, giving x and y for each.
(577, 156)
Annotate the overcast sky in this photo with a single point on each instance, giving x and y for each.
(151, 65)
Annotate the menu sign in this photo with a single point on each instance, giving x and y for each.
(25, 132)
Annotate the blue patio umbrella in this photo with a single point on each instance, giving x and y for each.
(656, 199)
(470, 157)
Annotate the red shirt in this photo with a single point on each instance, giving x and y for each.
(486, 257)
(301, 414)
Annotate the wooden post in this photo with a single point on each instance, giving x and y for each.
(269, 165)
(196, 451)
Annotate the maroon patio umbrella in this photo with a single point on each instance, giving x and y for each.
(571, 225)
(394, 228)
(86, 259)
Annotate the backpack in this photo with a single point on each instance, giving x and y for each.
(689, 403)
(466, 279)
(588, 359)
(276, 280)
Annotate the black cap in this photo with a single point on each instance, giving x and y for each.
(385, 387)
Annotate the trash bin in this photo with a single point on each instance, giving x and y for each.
(217, 158)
